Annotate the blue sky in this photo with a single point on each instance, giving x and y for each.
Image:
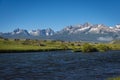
(56, 14)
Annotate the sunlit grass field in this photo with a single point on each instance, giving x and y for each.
(23, 45)
(31, 45)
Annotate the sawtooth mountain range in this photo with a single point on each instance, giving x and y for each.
(81, 32)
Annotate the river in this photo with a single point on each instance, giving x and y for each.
(59, 65)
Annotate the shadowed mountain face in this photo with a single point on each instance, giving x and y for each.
(85, 32)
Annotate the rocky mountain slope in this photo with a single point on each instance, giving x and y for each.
(85, 32)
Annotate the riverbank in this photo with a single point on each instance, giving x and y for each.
(22, 51)
(12, 46)
(27, 45)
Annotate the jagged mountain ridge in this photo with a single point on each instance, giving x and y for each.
(90, 32)
(86, 32)
(21, 33)
(44, 32)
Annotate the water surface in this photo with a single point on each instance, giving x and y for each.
(59, 65)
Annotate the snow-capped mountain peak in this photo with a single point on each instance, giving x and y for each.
(87, 24)
(20, 31)
(118, 26)
(86, 32)
(43, 32)
(49, 32)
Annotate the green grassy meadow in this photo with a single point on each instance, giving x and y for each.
(27, 45)
(30, 45)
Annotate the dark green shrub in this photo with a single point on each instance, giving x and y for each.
(102, 47)
(88, 48)
(26, 43)
(63, 46)
(40, 44)
(72, 44)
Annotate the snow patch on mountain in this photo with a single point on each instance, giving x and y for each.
(35, 32)
(43, 32)
(105, 38)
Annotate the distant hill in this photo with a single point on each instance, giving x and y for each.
(115, 41)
